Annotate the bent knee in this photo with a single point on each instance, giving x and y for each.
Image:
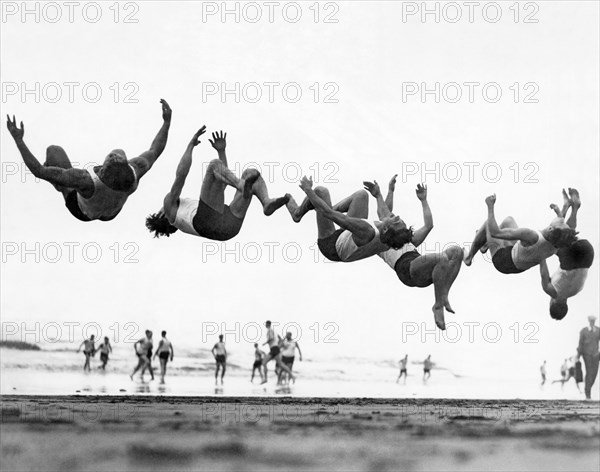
(249, 172)
(322, 191)
(454, 252)
(361, 194)
(508, 222)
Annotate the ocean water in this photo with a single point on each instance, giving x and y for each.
(57, 370)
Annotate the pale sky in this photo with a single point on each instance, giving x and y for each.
(367, 59)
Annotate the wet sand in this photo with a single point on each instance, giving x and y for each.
(212, 433)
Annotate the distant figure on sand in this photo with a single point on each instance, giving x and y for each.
(427, 365)
(165, 352)
(141, 348)
(514, 249)
(567, 372)
(209, 216)
(575, 261)
(220, 354)
(259, 355)
(543, 373)
(439, 269)
(88, 351)
(288, 353)
(105, 348)
(273, 341)
(98, 193)
(403, 363)
(589, 339)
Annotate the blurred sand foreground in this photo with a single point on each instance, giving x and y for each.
(183, 433)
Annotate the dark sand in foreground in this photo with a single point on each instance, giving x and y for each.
(183, 433)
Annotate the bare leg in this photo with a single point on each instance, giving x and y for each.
(241, 201)
(284, 367)
(442, 269)
(575, 204)
(477, 244)
(217, 178)
(356, 205)
(298, 211)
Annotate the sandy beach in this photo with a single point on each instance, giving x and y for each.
(211, 433)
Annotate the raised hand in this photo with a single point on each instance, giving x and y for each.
(392, 184)
(306, 183)
(573, 193)
(218, 141)
(491, 200)
(195, 141)
(166, 110)
(421, 192)
(16, 132)
(372, 188)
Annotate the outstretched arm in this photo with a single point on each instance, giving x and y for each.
(171, 201)
(524, 235)
(77, 179)
(389, 200)
(382, 208)
(361, 229)
(299, 351)
(546, 281)
(144, 162)
(421, 234)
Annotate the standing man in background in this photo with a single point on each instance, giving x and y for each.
(589, 338)
(220, 354)
(543, 372)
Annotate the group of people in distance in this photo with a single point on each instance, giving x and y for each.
(100, 193)
(89, 351)
(143, 350)
(427, 366)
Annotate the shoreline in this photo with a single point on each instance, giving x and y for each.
(268, 433)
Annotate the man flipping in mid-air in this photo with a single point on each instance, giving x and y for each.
(209, 216)
(412, 268)
(515, 250)
(575, 261)
(357, 238)
(99, 193)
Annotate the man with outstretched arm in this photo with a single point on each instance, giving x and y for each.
(412, 268)
(99, 193)
(514, 249)
(357, 238)
(575, 261)
(209, 216)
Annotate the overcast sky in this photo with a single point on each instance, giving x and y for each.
(370, 122)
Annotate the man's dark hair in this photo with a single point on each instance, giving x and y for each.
(163, 333)
(562, 237)
(558, 310)
(579, 255)
(159, 224)
(396, 238)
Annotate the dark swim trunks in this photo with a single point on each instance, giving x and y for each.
(327, 246)
(274, 352)
(503, 261)
(579, 255)
(257, 365)
(220, 358)
(104, 357)
(402, 269)
(288, 361)
(164, 355)
(211, 224)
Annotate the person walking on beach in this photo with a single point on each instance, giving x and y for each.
(403, 363)
(288, 352)
(273, 341)
(164, 351)
(589, 339)
(258, 363)
(543, 372)
(427, 365)
(105, 348)
(141, 348)
(88, 351)
(564, 371)
(220, 354)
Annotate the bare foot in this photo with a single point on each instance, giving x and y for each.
(275, 204)
(484, 248)
(555, 208)
(249, 182)
(575, 200)
(447, 306)
(467, 259)
(263, 382)
(438, 314)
